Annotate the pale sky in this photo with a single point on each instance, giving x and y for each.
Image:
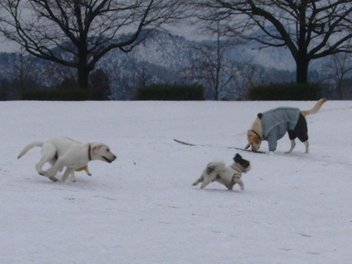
(6, 46)
(182, 30)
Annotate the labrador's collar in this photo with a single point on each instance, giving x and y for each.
(255, 132)
(89, 150)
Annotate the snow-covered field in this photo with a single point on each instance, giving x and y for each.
(142, 208)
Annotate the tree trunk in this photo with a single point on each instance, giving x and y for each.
(83, 68)
(302, 63)
(301, 58)
(216, 94)
(83, 77)
(339, 87)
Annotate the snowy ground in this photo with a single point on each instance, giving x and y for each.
(142, 208)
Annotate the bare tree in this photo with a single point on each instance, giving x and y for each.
(310, 29)
(23, 71)
(20, 75)
(78, 33)
(341, 66)
(100, 85)
(210, 66)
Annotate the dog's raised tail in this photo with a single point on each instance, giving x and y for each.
(315, 109)
(30, 146)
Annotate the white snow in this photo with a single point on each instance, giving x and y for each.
(142, 208)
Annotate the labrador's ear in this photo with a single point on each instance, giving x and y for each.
(96, 146)
(247, 146)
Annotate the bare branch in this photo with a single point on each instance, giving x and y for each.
(84, 30)
(310, 29)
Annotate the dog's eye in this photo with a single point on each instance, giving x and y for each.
(108, 150)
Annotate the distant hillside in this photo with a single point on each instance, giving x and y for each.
(160, 59)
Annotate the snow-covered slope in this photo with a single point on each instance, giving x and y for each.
(142, 208)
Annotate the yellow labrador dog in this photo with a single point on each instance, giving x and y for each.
(63, 152)
(273, 124)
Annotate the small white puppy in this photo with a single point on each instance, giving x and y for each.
(226, 175)
(63, 152)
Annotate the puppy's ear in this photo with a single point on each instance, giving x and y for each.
(237, 158)
(245, 163)
(260, 115)
(247, 146)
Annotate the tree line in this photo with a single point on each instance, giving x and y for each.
(86, 30)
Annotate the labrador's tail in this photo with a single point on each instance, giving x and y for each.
(315, 109)
(30, 146)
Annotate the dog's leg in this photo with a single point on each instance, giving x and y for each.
(52, 163)
(306, 143)
(87, 171)
(206, 181)
(67, 173)
(201, 179)
(230, 186)
(240, 183)
(48, 154)
(58, 166)
(73, 176)
(53, 179)
(293, 145)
